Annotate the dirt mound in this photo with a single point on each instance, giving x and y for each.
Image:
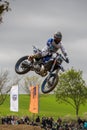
(19, 127)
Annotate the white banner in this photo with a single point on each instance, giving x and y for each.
(14, 98)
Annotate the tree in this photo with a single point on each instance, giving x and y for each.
(5, 84)
(3, 80)
(29, 81)
(72, 89)
(4, 7)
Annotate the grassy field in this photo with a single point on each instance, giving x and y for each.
(47, 107)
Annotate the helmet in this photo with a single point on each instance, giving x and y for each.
(58, 35)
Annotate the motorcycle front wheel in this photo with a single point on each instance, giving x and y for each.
(49, 85)
(22, 66)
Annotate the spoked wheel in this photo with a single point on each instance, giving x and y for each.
(23, 65)
(49, 85)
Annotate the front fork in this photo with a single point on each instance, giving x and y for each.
(52, 68)
(57, 70)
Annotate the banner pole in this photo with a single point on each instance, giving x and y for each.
(33, 115)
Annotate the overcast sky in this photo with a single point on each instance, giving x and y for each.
(32, 22)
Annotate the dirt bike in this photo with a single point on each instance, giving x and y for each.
(52, 65)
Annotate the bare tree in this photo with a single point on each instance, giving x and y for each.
(30, 81)
(5, 84)
(3, 81)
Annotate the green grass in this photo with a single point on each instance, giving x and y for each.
(48, 106)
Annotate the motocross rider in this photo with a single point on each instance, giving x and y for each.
(53, 45)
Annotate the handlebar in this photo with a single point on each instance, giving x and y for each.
(62, 57)
(35, 49)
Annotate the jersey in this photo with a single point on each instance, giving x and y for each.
(51, 47)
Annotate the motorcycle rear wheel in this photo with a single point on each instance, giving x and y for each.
(22, 65)
(48, 86)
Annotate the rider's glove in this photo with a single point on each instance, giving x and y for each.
(67, 60)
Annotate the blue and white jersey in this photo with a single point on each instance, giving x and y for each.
(52, 47)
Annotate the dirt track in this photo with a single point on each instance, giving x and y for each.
(19, 127)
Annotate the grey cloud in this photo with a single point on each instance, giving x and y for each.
(33, 22)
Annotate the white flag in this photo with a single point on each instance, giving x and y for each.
(14, 98)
